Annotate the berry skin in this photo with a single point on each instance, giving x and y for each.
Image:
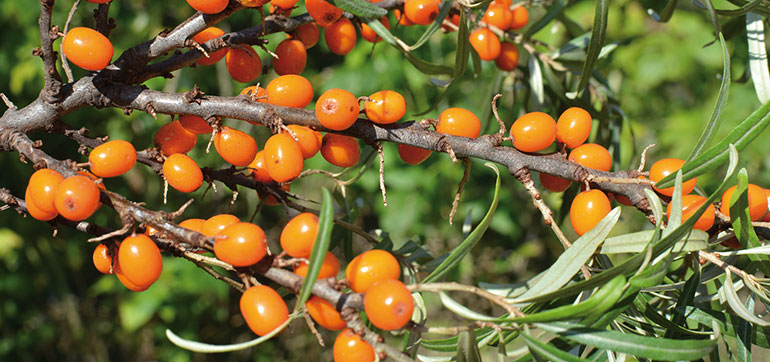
(308, 141)
(533, 132)
(241, 244)
(308, 34)
(257, 170)
(690, 204)
(329, 267)
(193, 224)
(112, 158)
(421, 12)
(337, 109)
(766, 218)
(253, 3)
(574, 127)
(588, 208)
(554, 183)
(402, 19)
(125, 281)
(102, 260)
(195, 124)
(323, 12)
(485, 43)
(339, 150)
(459, 122)
(87, 48)
(324, 314)
(205, 35)
(591, 155)
(235, 147)
(349, 347)
(215, 224)
(508, 59)
(263, 309)
(520, 18)
(665, 167)
(76, 198)
(369, 34)
(182, 173)
(498, 15)
(243, 63)
(283, 157)
(757, 202)
(389, 305)
(35, 211)
(341, 36)
(290, 90)
(371, 267)
(283, 4)
(42, 188)
(292, 57)
(208, 6)
(173, 138)
(413, 155)
(140, 260)
(298, 236)
(385, 107)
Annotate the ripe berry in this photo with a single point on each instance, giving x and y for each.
(241, 244)
(235, 147)
(533, 132)
(140, 260)
(42, 188)
(193, 224)
(402, 19)
(112, 158)
(508, 59)
(195, 124)
(280, 11)
(215, 224)
(102, 260)
(413, 155)
(243, 63)
(349, 347)
(324, 313)
(766, 218)
(258, 93)
(205, 35)
(554, 183)
(290, 90)
(757, 202)
(257, 170)
(385, 107)
(253, 3)
(329, 267)
(76, 198)
(459, 122)
(341, 36)
(592, 156)
(283, 4)
(307, 140)
(574, 127)
(87, 48)
(125, 281)
(35, 211)
(369, 34)
(337, 109)
(339, 150)
(298, 236)
(292, 57)
(665, 167)
(173, 138)
(208, 6)
(308, 34)
(690, 204)
(421, 12)
(498, 15)
(587, 209)
(371, 267)
(485, 43)
(520, 18)
(323, 12)
(182, 173)
(389, 305)
(283, 157)
(263, 309)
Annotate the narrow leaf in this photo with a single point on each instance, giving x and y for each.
(382, 31)
(547, 351)
(743, 332)
(554, 10)
(638, 241)
(361, 8)
(427, 67)
(442, 14)
(686, 298)
(597, 42)
(728, 323)
(320, 247)
(215, 348)
(467, 350)
(736, 305)
(760, 75)
(536, 82)
(462, 310)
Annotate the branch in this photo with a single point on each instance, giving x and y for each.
(52, 89)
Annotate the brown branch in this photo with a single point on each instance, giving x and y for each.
(52, 89)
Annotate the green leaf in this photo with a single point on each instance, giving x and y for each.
(743, 332)
(382, 31)
(467, 350)
(686, 298)
(215, 348)
(638, 241)
(442, 14)
(728, 324)
(735, 303)
(597, 42)
(536, 83)
(463, 48)
(463, 311)
(760, 74)
(547, 351)
(427, 67)
(740, 11)
(741, 221)
(361, 8)
(554, 10)
(320, 247)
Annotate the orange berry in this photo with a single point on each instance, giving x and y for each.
(385, 107)
(324, 313)
(253, 3)
(193, 224)
(308, 34)
(102, 260)
(574, 127)
(389, 305)
(323, 12)
(257, 168)
(283, 157)
(587, 209)
(339, 150)
(308, 141)
(283, 4)
(369, 34)
(593, 156)
(275, 10)
(665, 167)
(623, 200)
(140, 260)
(243, 63)
(208, 6)
(554, 183)
(125, 281)
(690, 204)
(533, 132)
(215, 224)
(41, 190)
(290, 90)
(298, 236)
(459, 122)
(485, 43)
(112, 158)
(263, 309)
(292, 57)
(35, 211)
(452, 18)
(340, 36)
(757, 202)
(195, 124)
(766, 218)
(235, 147)
(337, 109)
(87, 48)
(402, 19)
(520, 18)
(413, 155)
(173, 138)
(270, 200)
(76, 198)
(349, 347)
(205, 35)
(371, 267)
(241, 244)
(329, 267)
(498, 15)
(508, 59)
(421, 12)
(182, 173)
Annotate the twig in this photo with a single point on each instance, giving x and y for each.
(382, 173)
(8, 102)
(64, 63)
(456, 201)
(500, 132)
(52, 88)
(452, 286)
(313, 330)
(643, 159)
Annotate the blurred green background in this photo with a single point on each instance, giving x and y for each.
(55, 306)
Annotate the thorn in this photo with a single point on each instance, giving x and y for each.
(381, 154)
(150, 109)
(8, 102)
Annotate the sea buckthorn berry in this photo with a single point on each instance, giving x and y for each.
(292, 57)
(298, 236)
(263, 309)
(95, 179)
(339, 150)
(149, 230)
(421, 12)
(243, 63)
(323, 12)
(42, 188)
(208, 6)
(337, 109)
(193, 224)
(757, 202)
(102, 260)
(235, 147)
(520, 18)
(459, 122)
(87, 48)
(533, 132)
(241, 244)
(290, 90)
(485, 43)
(498, 15)
(112, 158)
(369, 34)
(283, 157)
(574, 127)
(257, 170)
(274, 10)
(665, 167)
(182, 173)
(324, 313)
(205, 35)
(329, 267)
(308, 34)
(340, 36)
(256, 93)
(35, 211)
(173, 138)
(623, 200)
(766, 218)
(268, 198)
(76, 198)
(307, 139)
(215, 224)
(389, 305)
(413, 155)
(452, 18)
(402, 19)
(349, 347)
(140, 260)
(371, 267)
(195, 124)
(253, 3)
(554, 183)
(592, 156)
(587, 209)
(508, 59)
(283, 4)
(385, 107)
(125, 281)
(690, 204)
